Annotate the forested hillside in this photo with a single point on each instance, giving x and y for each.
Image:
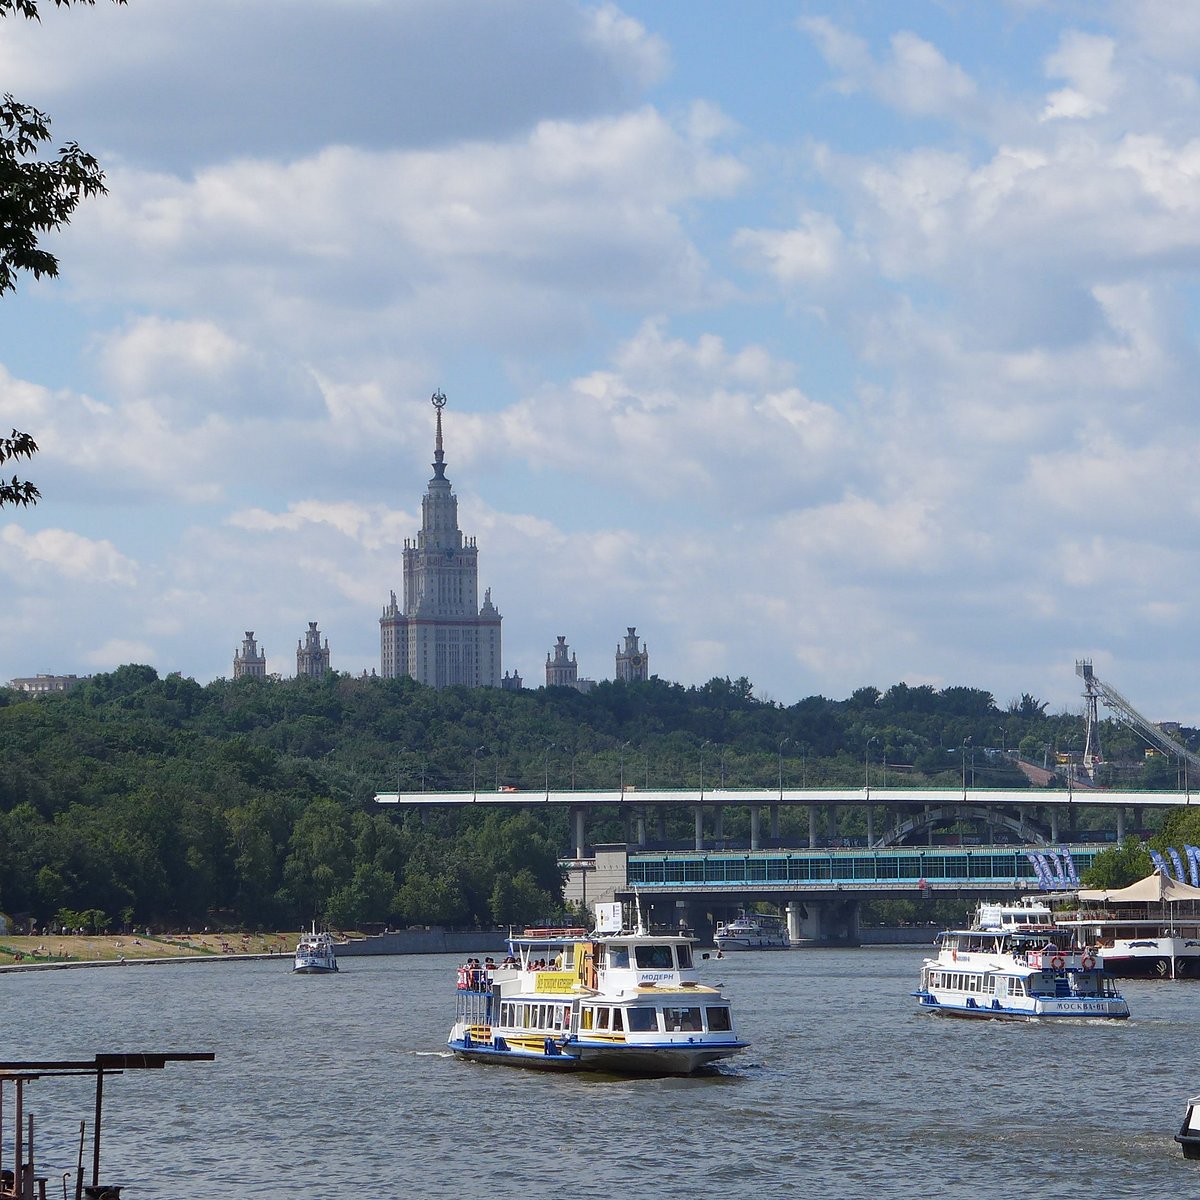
(164, 802)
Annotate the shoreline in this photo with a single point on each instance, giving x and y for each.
(76, 964)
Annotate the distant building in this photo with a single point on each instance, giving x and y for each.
(633, 662)
(562, 671)
(443, 636)
(311, 657)
(511, 683)
(41, 685)
(250, 660)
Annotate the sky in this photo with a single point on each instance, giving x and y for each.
(827, 344)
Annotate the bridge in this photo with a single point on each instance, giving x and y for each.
(820, 886)
(892, 816)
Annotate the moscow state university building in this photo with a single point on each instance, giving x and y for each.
(443, 636)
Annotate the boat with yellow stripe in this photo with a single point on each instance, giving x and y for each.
(613, 1000)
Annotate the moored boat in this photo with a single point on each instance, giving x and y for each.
(315, 955)
(1014, 965)
(752, 931)
(1149, 930)
(616, 1001)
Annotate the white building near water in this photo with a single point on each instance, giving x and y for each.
(443, 636)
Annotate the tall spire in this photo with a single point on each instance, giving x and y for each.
(439, 457)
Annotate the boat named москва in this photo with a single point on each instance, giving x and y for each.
(1015, 964)
(628, 1003)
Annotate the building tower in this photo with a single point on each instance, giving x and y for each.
(443, 636)
(311, 658)
(250, 661)
(633, 664)
(561, 671)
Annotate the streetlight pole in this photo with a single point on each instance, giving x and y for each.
(867, 763)
(966, 741)
(475, 769)
(546, 760)
(782, 742)
(621, 753)
(703, 744)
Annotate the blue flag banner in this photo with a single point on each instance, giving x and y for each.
(1039, 868)
(1193, 857)
(1069, 866)
(1160, 864)
(1180, 873)
(1058, 870)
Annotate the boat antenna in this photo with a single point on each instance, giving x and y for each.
(637, 903)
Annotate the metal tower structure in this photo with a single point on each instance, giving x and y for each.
(1096, 689)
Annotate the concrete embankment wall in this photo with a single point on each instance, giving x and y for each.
(427, 941)
(908, 935)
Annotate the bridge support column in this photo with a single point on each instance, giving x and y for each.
(775, 822)
(698, 816)
(1120, 825)
(833, 824)
(641, 827)
(719, 822)
(795, 915)
(577, 811)
(870, 827)
(1054, 825)
(755, 831)
(812, 826)
(1138, 826)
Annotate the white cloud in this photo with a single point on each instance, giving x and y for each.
(59, 554)
(1086, 62)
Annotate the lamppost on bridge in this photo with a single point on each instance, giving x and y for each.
(624, 746)
(782, 742)
(475, 768)
(546, 763)
(702, 745)
(867, 762)
(966, 743)
(724, 751)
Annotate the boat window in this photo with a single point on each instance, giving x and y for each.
(681, 1020)
(616, 1019)
(685, 957)
(618, 956)
(641, 1020)
(585, 1017)
(718, 1018)
(602, 1018)
(655, 957)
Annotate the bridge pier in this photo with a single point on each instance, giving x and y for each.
(719, 824)
(755, 831)
(641, 826)
(775, 822)
(577, 823)
(812, 826)
(1120, 825)
(817, 922)
(870, 827)
(698, 820)
(1054, 825)
(833, 824)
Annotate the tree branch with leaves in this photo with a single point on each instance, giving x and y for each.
(37, 196)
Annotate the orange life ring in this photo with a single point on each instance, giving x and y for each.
(1058, 962)
(1089, 962)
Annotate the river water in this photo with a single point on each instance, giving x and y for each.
(340, 1084)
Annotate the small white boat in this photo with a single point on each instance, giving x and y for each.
(615, 1001)
(1014, 964)
(1189, 1132)
(752, 931)
(315, 955)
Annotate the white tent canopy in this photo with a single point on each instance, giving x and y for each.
(1153, 887)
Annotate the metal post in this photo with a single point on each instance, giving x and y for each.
(96, 1129)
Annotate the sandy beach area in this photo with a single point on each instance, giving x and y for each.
(18, 950)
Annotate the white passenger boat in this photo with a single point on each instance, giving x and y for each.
(314, 955)
(615, 1001)
(1149, 930)
(752, 931)
(1015, 964)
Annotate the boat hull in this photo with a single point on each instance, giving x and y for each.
(1038, 1009)
(314, 970)
(1165, 958)
(576, 1056)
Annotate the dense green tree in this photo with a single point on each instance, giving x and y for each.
(1118, 866)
